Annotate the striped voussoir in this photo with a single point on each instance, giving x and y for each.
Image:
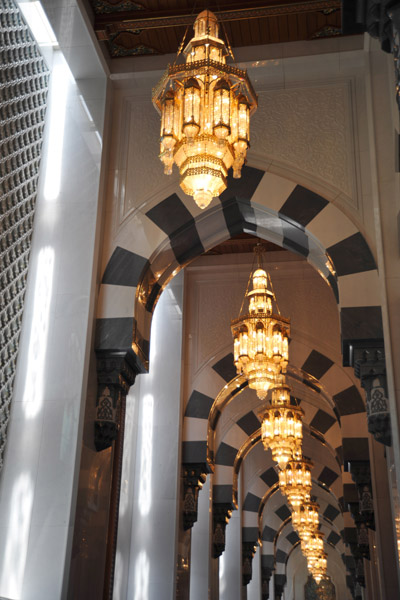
(260, 203)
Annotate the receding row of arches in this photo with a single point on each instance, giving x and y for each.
(221, 417)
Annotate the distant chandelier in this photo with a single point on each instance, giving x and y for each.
(261, 346)
(305, 519)
(281, 427)
(295, 482)
(205, 108)
(317, 565)
(314, 545)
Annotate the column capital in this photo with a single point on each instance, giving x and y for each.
(368, 360)
(222, 512)
(194, 476)
(265, 577)
(116, 372)
(248, 551)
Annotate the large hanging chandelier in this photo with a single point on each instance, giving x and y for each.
(281, 427)
(295, 482)
(261, 346)
(205, 108)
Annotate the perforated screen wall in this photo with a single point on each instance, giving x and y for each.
(23, 92)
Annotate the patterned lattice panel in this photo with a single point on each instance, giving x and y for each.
(23, 91)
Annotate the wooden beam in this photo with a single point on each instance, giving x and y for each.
(112, 23)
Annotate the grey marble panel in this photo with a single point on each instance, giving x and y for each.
(225, 455)
(249, 423)
(170, 214)
(303, 205)
(331, 512)
(317, 364)
(361, 322)
(327, 476)
(194, 452)
(251, 502)
(199, 405)
(222, 494)
(280, 556)
(333, 538)
(352, 255)
(243, 187)
(294, 236)
(283, 512)
(225, 367)
(355, 448)
(293, 538)
(114, 333)
(268, 561)
(239, 216)
(270, 477)
(322, 421)
(349, 401)
(250, 534)
(186, 244)
(268, 534)
(124, 268)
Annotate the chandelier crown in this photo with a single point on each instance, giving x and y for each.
(205, 106)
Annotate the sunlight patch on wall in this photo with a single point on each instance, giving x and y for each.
(34, 382)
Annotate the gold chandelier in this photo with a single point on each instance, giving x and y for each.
(295, 482)
(305, 519)
(281, 427)
(317, 565)
(205, 108)
(314, 545)
(261, 346)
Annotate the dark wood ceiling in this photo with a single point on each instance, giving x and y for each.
(149, 27)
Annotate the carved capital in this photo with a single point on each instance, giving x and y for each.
(265, 577)
(116, 373)
(369, 366)
(194, 476)
(248, 551)
(221, 514)
(360, 575)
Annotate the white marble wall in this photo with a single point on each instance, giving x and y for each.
(38, 482)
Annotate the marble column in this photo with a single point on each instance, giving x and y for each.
(200, 547)
(254, 587)
(230, 579)
(385, 546)
(156, 476)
